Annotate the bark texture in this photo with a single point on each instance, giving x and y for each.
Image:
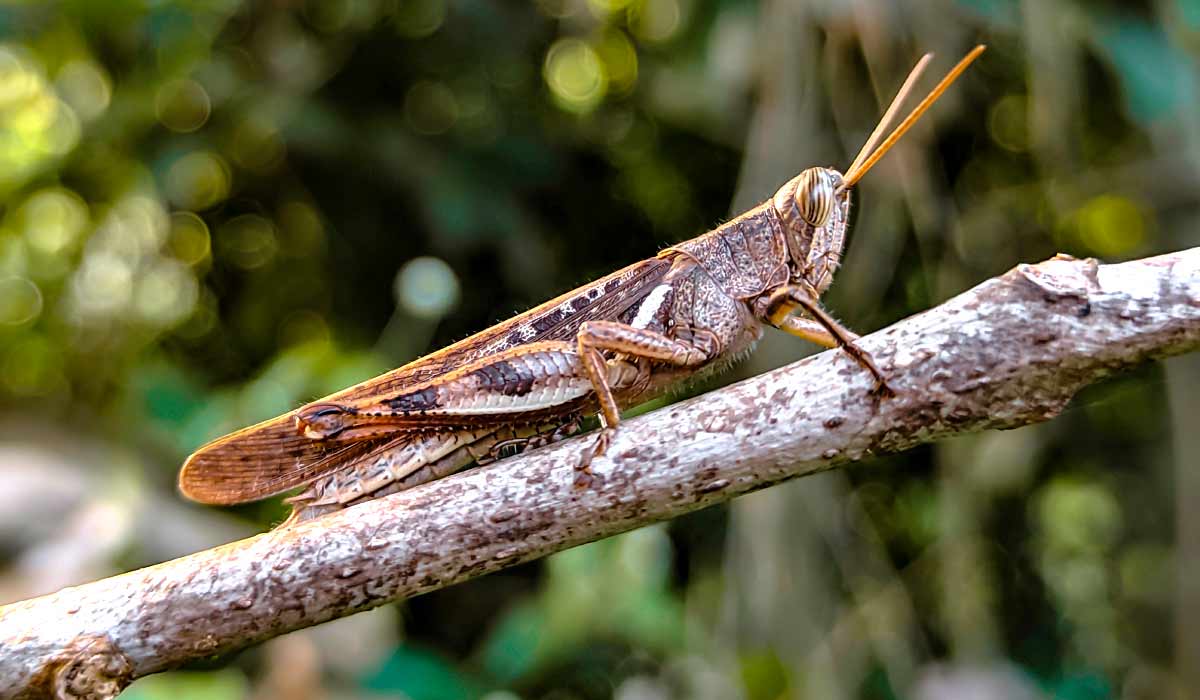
(1009, 352)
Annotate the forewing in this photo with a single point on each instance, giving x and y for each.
(272, 457)
(262, 460)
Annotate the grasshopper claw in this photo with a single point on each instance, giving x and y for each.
(583, 472)
(882, 389)
(584, 478)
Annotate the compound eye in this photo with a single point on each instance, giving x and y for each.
(816, 195)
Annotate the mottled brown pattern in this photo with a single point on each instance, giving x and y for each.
(420, 400)
(726, 253)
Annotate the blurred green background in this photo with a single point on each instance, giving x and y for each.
(212, 212)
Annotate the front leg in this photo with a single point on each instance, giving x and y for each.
(596, 337)
(821, 329)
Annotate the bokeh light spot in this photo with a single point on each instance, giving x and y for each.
(301, 230)
(135, 228)
(20, 301)
(189, 239)
(64, 130)
(620, 60)
(86, 87)
(602, 9)
(477, 115)
(1008, 123)
(427, 287)
(1079, 516)
(53, 219)
(35, 125)
(17, 81)
(1111, 225)
(257, 145)
(430, 108)
(655, 21)
(248, 241)
(575, 75)
(198, 180)
(182, 105)
(166, 293)
(103, 284)
(415, 19)
(46, 125)
(34, 117)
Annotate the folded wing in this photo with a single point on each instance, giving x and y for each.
(274, 456)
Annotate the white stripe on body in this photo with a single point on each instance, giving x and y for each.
(649, 308)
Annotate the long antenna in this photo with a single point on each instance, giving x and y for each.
(894, 107)
(856, 173)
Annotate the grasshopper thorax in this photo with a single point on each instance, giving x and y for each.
(814, 209)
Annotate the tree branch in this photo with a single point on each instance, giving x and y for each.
(1009, 352)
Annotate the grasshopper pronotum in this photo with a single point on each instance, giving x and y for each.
(693, 309)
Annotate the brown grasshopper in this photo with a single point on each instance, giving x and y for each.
(694, 309)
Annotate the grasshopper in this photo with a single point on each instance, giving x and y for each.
(692, 310)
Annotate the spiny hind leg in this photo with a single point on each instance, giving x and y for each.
(597, 337)
(821, 329)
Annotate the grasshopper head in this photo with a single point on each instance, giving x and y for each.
(814, 208)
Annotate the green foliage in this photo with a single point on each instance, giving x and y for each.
(421, 675)
(214, 685)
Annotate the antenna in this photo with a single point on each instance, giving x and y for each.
(857, 170)
(894, 107)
